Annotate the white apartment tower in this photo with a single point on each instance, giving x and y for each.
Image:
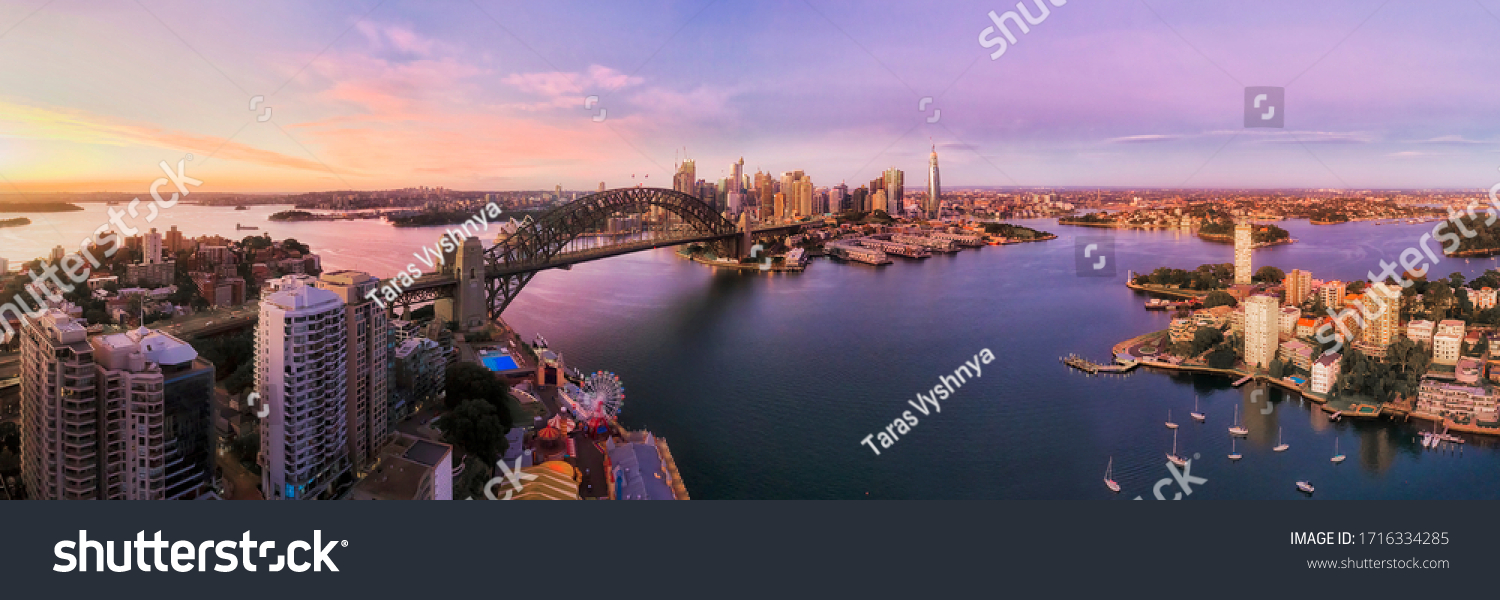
(67, 450)
(369, 356)
(151, 247)
(1242, 242)
(301, 374)
(1261, 326)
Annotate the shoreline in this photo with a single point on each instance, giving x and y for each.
(1386, 410)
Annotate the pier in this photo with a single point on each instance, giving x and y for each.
(1093, 368)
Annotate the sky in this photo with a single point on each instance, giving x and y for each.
(485, 95)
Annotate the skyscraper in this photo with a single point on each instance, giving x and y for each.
(1242, 243)
(1261, 327)
(934, 187)
(301, 374)
(1381, 308)
(125, 416)
(174, 241)
(686, 178)
(369, 355)
(737, 178)
(895, 190)
(838, 198)
(878, 201)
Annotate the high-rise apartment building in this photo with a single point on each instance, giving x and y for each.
(301, 374)
(1332, 294)
(879, 202)
(934, 187)
(1381, 312)
(1242, 243)
(151, 247)
(175, 242)
(126, 416)
(1261, 326)
(1298, 285)
(369, 352)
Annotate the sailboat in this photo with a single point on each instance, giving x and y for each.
(1173, 457)
(1108, 474)
(1170, 424)
(1197, 416)
(1280, 445)
(1337, 458)
(1233, 454)
(1237, 429)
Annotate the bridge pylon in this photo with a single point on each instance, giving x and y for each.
(468, 306)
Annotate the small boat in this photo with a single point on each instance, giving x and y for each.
(1337, 458)
(1197, 416)
(1280, 445)
(1170, 424)
(1237, 430)
(1173, 457)
(1233, 454)
(1306, 487)
(1108, 474)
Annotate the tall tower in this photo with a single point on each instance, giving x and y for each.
(895, 190)
(1242, 243)
(301, 374)
(934, 186)
(737, 179)
(66, 450)
(368, 399)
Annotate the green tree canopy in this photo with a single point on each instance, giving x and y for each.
(477, 426)
(1218, 298)
(1269, 274)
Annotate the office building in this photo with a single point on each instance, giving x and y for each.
(1261, 326)
(301, 374)
(838, 198)
(1243, 240)
(894, 184)
(369, 355)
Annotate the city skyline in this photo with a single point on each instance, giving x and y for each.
(366, 98)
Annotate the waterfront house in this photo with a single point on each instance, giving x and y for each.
(1325, 372)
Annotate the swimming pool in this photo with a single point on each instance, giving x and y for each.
(499, 362)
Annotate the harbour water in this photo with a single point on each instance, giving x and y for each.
(764, 384)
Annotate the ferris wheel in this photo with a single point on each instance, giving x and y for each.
(602, 396)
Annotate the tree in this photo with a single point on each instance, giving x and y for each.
(1203, 339)
(1269, 274)
(1278, 369)
(1223, 357)
(468, 381)
(1218, 298)
(476, 425)
(471, 483)
(292, 245)
(1455, 280)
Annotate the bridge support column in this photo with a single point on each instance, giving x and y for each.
(746, 240)
(468, 306)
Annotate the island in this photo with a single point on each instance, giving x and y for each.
(1261, 235)
(38, 207)
(16, 222)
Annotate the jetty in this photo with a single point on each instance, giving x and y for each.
(1093, 368)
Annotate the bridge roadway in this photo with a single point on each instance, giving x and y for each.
(430, 281)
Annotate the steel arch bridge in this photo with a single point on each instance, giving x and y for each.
(481, 282)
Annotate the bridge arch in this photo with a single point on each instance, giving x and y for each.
(511, 263)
